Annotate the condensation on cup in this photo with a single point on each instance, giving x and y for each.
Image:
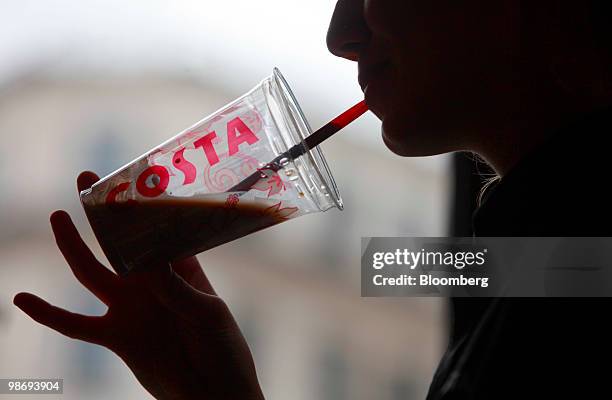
(173, 201)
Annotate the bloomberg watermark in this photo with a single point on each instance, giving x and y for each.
(486, 267)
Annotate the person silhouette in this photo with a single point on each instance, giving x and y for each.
(527, 87)
(523, 84)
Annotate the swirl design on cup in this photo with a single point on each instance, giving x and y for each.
(220, 179)
(249, 164)
(253, 120)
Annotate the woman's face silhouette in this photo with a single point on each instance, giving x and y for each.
(437, 73)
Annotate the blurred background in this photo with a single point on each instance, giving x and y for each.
(93, 84)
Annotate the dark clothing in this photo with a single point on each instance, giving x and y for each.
(538, 348)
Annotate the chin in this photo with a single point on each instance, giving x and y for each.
(411, 140)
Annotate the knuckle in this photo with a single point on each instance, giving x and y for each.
(218, 308)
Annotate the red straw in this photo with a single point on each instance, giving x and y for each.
(336, 124)
(310, 142)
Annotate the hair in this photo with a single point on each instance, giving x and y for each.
(486, 173)
(487, 182)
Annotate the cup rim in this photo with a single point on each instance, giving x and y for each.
(315, 155)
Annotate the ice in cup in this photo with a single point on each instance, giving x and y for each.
(173, 201)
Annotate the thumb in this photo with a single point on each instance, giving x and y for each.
(180, 297)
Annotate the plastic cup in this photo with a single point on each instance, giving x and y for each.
(172, 202)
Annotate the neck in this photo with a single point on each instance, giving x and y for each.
(513, 142)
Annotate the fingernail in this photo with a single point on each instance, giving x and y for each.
(57, 215)
(18, 299)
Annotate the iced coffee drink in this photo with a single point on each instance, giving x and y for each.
(177, 200)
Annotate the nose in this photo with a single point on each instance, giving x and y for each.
(348, 32)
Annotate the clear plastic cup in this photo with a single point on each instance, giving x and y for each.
(173, 201)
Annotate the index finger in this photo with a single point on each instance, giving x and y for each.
(85, 180)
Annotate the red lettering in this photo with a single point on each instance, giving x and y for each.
(111, 197)
(206, 143)
(233, 140)
(187, 168)
(159, 185)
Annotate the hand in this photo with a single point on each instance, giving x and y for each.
(167, 323)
